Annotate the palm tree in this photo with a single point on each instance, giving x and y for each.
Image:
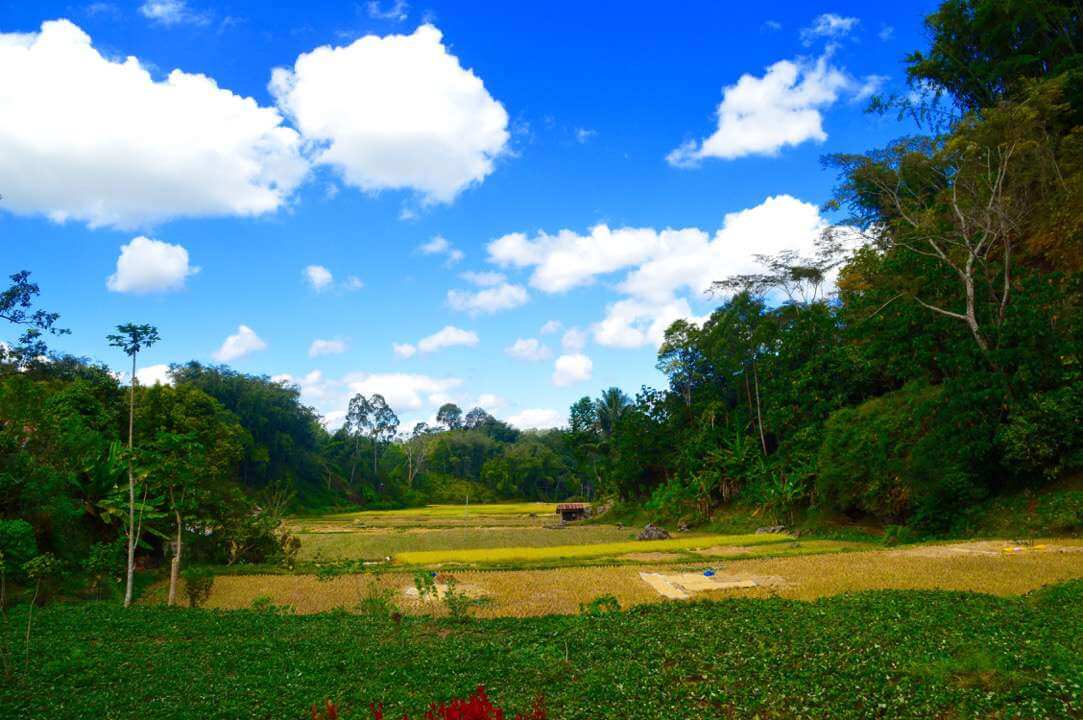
(609, 408)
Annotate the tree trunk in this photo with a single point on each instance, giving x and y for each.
(174, 566)
(759, 414)
(131, 492)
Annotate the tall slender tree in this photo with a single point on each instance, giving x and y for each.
(132, 338)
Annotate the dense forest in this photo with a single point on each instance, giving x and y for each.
(925, 360)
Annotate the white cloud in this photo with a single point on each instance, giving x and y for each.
(663, 269)
(319, 277)
(439, 245)
(404, 350)
(536, 419)
(489, 300)
(828, 25)
(585, 135)
(571, 369)
(869, 87)
(396, 10)
(483, 279)
(147, 266)
(154, 375)
(395, 112)
(761, 115)
(567, 259)
(244, 342)
(86, 138)
(550, 326)
(490, 402)
(632, 323)
(529, 349)
(573, 340)
(449, 336)
(326, 347)
(172, 12)
(886, 32)
(405, 392)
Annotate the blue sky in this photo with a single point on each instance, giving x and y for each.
(586, 165)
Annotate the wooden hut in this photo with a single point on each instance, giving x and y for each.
(573, 511)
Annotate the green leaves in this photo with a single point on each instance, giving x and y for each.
(865, 655)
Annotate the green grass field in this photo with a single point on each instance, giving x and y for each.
(887, 654)
(377, 543)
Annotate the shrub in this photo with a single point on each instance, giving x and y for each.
(1044, 439)
(198, 583)
(905, 457)
(18, 544)
(104, 562)
(599, 606)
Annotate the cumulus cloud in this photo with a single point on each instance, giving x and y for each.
(405, 392)
(828, 25)
(439, 245)
(320, 279)
(449, 336)
(488, 301)
(179, 147)
(529, 349)
(148, 266)
(395, 112)
(172, 12)
(243, 342)
(571, 369)
(326, 347)
(761, 115)
(574, 340)
(551, 326)
(662, 269)
(536, 419)
(153, 375)
(404, 350)
(483, 279)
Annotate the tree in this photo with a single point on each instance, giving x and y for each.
(610, 407)
(175, 462)
(450, 416)
(132, 338)
(372, 418)
(15, 307)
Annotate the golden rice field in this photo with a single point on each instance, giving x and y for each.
(983, 568)
(572, 552)
(444, 515)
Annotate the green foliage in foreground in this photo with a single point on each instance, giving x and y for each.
(879, 654)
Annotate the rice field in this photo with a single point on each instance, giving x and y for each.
(381, 542)
(480, 556)
(525, 593)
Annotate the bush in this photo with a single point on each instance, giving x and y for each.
(198, 583)
(18, 545)
(907, 456)
(1044, 439)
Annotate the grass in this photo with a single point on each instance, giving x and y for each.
(898, 654)
(450, 511)
(370, 543)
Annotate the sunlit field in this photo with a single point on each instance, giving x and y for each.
(539, 567)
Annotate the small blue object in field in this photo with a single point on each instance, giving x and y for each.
(708, 572)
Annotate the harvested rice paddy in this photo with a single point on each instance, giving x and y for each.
(808, 576)
(571, 552)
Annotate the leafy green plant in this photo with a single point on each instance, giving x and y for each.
(425, 584)
(41, 570)
(599, 606)
(265, 604)
(198, 583)
(103, 564)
